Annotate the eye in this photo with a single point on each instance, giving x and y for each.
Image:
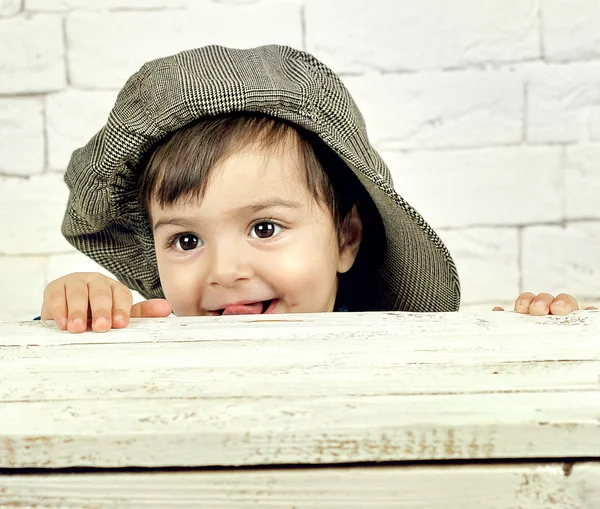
(265, 230)
(186, 242)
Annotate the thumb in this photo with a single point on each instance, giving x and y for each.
(153, 308)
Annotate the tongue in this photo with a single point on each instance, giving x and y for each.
(244, 309)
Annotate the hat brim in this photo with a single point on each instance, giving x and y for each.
(417, 272)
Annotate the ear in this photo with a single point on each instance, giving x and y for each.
(351, 239)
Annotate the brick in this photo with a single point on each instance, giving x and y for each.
(563, 259)
(60, 265)
(23, 283)
(487, 261)
(496, 186)
(69, 5)
(36, 206)
(106, 48)
(458, 109)
(560, 101)
(582, 181)
(86, 111)
(570, 29)
(21, 136)
(10, 7)
(392, 36)
(34, 56)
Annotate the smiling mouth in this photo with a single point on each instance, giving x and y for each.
(268, 307)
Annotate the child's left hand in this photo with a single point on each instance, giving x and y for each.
(545, 304)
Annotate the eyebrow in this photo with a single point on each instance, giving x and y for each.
(235, 213)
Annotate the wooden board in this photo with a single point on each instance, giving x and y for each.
(426, 487)
(303, 389)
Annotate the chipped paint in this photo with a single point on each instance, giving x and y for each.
(8, 455)
(434, 443)
(539, 490)
(569, 426)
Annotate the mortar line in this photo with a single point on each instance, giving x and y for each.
(540, 24)
(66, 53)
(520, 257)
(303, 27)
(46, 163)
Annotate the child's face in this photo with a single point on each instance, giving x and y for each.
(258, 236)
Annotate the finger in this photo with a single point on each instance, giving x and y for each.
(590, 308)
(563, 304)
(498, 308)
(60, 317)
(45, 313)
(101, 301)
(122, 299)
(541, 304)
(77, 305)
(55, 304)
(523, 302)
(153, 308)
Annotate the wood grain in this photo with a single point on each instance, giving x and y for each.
(305, 389)
(540, 486)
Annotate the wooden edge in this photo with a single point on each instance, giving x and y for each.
(478, 486)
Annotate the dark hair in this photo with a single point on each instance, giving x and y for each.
(180, 166)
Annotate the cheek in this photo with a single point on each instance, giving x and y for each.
(304, 271)
(166, 277)
(178, 285)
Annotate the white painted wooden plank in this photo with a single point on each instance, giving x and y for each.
(589, 473)
(322, 326)
(307, 389)
(549, 338)
(86, 380)
(271, 431)
(425, 487)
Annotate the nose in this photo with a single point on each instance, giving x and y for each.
(228, 266)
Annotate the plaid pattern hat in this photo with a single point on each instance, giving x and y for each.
(103, 217)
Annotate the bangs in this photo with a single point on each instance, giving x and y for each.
(180, 167)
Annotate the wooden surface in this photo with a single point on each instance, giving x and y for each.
(324, 391)
(427, 487)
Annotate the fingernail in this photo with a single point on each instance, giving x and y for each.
(540, 304)
(63, 322)
(525, 303)
(120, 319)
(560, 304)
(77, 322)
(102, 323)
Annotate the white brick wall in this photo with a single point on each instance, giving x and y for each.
(490, 186)
(21, 135)
(32, 57)
(356, 35)
(570, 29)
(104, 49)
(562, 102)
(488, 114)
(570, 260)
(440, 109)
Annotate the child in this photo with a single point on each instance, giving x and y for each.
(242, 181)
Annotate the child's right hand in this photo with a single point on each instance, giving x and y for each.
(73, 299)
